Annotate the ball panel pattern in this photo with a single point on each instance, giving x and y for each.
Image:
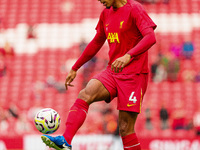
(47, 121)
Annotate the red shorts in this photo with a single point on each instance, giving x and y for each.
(129, 89)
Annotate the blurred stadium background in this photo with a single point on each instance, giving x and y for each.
(41, 39)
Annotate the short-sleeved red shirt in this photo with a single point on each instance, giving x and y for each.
(123, 29)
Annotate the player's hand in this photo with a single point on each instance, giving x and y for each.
(119, 64)
(70, 77)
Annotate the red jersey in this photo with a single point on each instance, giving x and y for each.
(123, 29)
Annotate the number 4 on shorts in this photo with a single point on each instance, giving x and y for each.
(133, 98)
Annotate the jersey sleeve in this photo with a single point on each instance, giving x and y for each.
(100, 27)
(92, 48)
(141, 18)
(147, 41)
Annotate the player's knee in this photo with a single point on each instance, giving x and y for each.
(84, 95)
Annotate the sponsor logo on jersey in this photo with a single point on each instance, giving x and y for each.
(113, 37)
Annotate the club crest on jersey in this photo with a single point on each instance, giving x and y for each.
(121, 23)
(113, 37)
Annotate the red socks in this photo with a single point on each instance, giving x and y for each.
(130, 142)
(76, 117)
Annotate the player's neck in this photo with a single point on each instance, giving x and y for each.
(119, 3)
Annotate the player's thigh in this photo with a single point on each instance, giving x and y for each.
(127, 121)
(94, 91)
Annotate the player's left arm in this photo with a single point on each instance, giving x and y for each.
(145, 43)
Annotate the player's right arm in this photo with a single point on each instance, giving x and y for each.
(92, 48)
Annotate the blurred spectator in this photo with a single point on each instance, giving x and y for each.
(196, 122)
(82, 45)
(7, 50)
(167, 68)
(173, 69)
(176, 48)
(6, 56)
(188, 47)
(164, 118)
(197, 76)
(13, 111)
(31, 34)
(148, 123)
(189, 124)
(188, 73)
(178, 116)
(31, 43)
(161, 74)
(51, 82)
(165, 58)
(154, 67)
(12, 115)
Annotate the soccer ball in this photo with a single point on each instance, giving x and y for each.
(47, 121)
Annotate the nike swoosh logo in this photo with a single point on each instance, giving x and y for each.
(64, 145)
(107, 24)
(129, 105)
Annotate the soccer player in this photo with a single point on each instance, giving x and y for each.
(129, 32)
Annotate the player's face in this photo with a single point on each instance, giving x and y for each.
(107, 3)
